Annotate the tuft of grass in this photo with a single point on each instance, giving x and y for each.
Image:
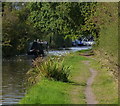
(51, 68)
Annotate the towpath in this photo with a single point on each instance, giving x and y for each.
(90, 97)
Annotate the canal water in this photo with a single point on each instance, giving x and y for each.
(14, 75)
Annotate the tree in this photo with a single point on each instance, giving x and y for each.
(15, 30)
(69, 20)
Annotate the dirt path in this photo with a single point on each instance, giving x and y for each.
(90, 97)
(75, 92)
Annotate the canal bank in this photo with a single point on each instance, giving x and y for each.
(14, 74)
(47, 91)
(73, 92)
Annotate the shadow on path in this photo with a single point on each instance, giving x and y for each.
(77, 84)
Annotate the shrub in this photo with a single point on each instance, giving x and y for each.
(51, 68)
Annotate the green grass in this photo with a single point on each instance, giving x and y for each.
(105, 88)
(79, 75)
(78, 67)
(56, 92)
(83, 51)
(47, 92)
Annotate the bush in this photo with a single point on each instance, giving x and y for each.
(51, 68)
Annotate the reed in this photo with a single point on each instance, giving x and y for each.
(51, 68)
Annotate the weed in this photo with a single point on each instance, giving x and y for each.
(51, 68)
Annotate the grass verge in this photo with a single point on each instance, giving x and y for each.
(105, 87)
(56, 92)
(79, 75)
(72, 92)
(47, 92)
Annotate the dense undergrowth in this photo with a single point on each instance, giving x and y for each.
(106, 18)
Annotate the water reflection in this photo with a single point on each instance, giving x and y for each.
(13, 74)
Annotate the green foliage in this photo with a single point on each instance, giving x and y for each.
(56, 22)
(51, 68)
(14, 29)
(63, 18)
(106, 18)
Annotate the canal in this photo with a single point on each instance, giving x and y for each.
(14, 74)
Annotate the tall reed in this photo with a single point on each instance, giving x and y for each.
(51, 68)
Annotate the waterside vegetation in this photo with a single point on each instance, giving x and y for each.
(59, 80)
(50, 68)
(47, 91)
